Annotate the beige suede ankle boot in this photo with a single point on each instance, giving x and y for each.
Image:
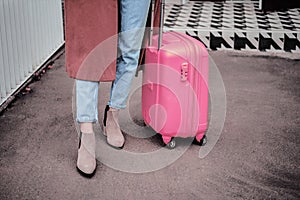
(112, 129)
(86, 161)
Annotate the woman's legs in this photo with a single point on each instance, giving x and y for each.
(133, 20)
(86, 115)
(86, 101)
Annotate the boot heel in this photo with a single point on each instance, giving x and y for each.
(103, 129)
(104, 120)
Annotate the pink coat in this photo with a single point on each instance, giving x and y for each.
(91, 28)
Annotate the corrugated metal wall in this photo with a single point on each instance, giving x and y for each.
(30, 32)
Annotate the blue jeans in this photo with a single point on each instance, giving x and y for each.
(133, 20)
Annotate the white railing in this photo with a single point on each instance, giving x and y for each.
(31, 31)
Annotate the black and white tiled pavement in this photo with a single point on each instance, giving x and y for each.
(238, 25)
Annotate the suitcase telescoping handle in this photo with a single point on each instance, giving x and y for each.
(161, 22)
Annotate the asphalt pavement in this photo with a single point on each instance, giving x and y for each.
(256, 155)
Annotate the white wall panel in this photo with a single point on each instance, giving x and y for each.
(30, 32)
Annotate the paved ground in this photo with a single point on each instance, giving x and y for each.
(256, 157)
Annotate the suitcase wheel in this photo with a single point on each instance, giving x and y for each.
(202, 142)
(171, 144)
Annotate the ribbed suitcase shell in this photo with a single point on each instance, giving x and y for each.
(175, 90)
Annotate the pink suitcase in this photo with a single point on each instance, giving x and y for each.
(175, 88)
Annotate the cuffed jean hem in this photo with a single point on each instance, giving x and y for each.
(86, 120)
(116, 106)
